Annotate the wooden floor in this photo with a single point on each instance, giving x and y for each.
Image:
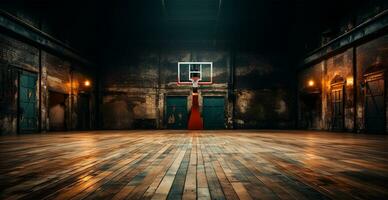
(194, 165)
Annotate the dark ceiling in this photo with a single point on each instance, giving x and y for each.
(289, 27)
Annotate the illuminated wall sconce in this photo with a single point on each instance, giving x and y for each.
(311, 83)
(87, 83)
(349, 81)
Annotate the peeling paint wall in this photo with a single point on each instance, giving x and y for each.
(54, 72)
(13, 54)
(130, 92)
(342, 65)
(136, 84)
(323, 75)
(264, 94)
(357, 51)
(310, 97)
(369, 54)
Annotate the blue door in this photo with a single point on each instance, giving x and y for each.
(28, 119)
(176, 112)
(213, 112)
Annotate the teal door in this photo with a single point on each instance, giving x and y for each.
(27, 102)
(213, 112)
(176, 112)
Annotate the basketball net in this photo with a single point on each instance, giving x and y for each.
(195, 81)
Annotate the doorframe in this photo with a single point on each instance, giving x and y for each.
(66, 95)
(377, 75)
(225, 106)
(338, 86)
(165, 106)
(20, 70)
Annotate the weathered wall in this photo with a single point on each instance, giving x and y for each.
(55, 72)
(264, 95)
(324, 75)
(168, 86)
(130, 91)
(135, 87)
(66, 77)
(368, 55)
(309, 97)
(14, 54)
(357, 46)
(342, 65)
(136, 84)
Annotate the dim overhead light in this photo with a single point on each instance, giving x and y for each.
(87, 83)
(311, 83)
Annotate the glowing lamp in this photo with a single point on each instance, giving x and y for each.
(349, 81)
(87, 83)
(311, 83)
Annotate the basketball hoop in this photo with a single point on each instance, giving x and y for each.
(195, 81)
(195, 73)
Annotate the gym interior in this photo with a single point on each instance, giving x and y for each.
(193, 99)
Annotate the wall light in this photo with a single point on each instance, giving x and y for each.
(349, 81)
(87, 83)
(311, 83)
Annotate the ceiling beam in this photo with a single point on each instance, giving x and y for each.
(17, 27)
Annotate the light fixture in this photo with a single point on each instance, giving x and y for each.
(349, 81)
(311, 83)
(87, 83)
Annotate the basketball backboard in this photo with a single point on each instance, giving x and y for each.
(189, 70)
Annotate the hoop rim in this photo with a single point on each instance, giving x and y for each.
(199, 83)
(195, 79)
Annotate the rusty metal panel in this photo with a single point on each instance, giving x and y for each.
(28, 115)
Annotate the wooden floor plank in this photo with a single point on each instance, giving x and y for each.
(190, 188)
(176, 191)
(203, 192)
(212, 180)
(194, 165)
(164, 187)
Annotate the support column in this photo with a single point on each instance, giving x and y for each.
(354, 62)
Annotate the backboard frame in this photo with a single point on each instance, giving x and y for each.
(179, 82)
